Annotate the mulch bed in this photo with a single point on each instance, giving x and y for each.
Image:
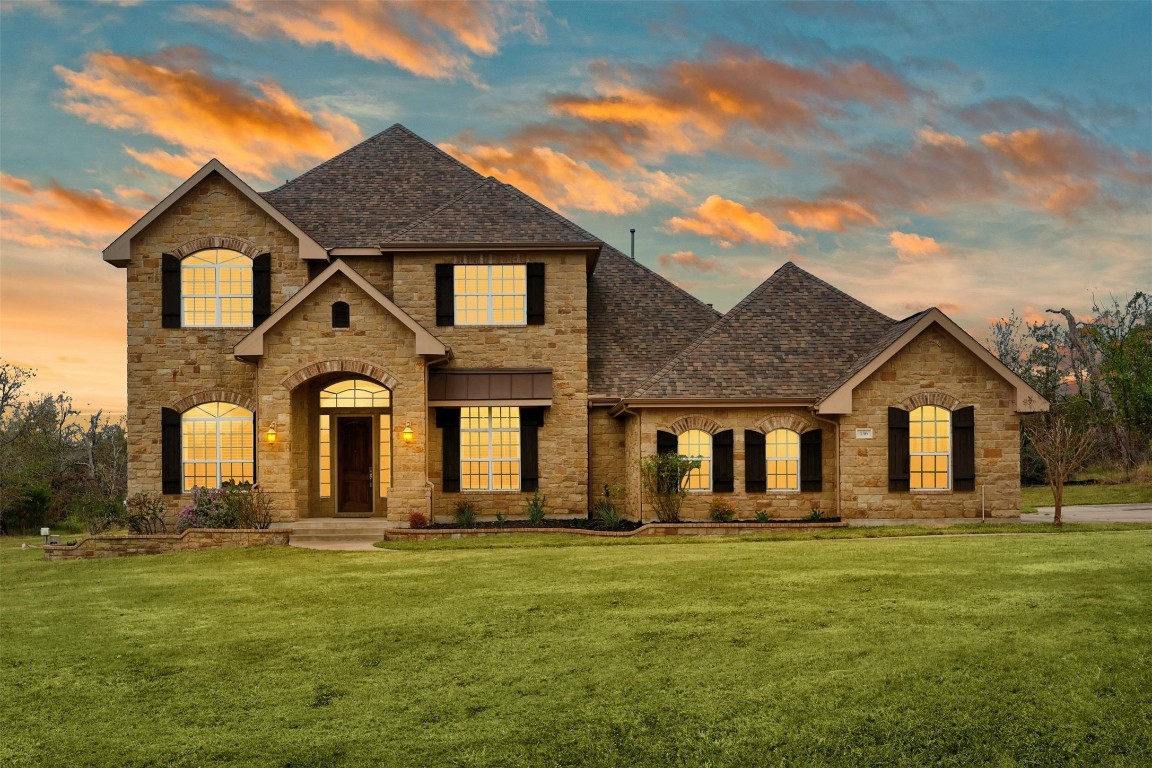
(594, 525)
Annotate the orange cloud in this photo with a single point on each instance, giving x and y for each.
(423, 38)
(827, 215)
(689, 106)
(175, 97)
(690, 261)
(57, 216)
(930, 135)
(910, 247)
(728, 222)
(561, 182)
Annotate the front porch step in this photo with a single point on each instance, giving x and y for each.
(325, 530)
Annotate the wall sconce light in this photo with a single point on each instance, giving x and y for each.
(408, 435)
(270, 435)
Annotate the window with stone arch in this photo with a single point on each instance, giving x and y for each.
(696, 445)
(930, 448)
(216, 289)
(782, 452)
(347, 396)
(218, 446)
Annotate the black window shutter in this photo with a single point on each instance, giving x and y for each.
(722, 472)
(170, 451)
(755, 463)
(666, 442)
(531, 419)
(535, 294)
(341, 315)
(169, 291)
(261, 288)
(964, 447)
(448, 419)
(812, 460)
(898, 472)
(445, 294)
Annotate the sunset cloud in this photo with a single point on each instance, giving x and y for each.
(56, 216)
(728, 222)
(175, 97)
(912, 247)
(689, 261)
(827, 215)
(427, 38)
(562, 182)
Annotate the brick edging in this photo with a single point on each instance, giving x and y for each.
(648, 529)
(120, 545)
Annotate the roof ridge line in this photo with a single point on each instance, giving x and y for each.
(712, 329)
(836, 290)
(392, 237)
(562, 219)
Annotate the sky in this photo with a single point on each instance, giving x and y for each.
(983, 158)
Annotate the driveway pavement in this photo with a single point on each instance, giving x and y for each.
(1094, 513)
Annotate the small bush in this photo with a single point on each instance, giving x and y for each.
(605, 508)
(663, 476)
(721, 511)
(233, 505)
(465, 514)
(763, 517)
(535, 508)
(816, 513)
(500, 518)
(417, 520)
(144, 513)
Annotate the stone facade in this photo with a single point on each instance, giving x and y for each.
(159, 544)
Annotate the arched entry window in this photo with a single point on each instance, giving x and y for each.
(355, 444)
(218, 446)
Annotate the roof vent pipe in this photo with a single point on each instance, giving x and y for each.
(633, 231)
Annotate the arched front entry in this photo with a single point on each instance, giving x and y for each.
(353, 467)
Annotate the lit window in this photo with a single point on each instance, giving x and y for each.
(217, 441)
(929, 448)
(491, 294)
(216, 289)
(325, 456)
(782, 449)
(696, 445)
(385, 454)
(355, 393)
(490, 449)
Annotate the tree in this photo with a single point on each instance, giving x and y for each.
(1064, 446)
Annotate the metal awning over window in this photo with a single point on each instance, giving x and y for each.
(490, 386)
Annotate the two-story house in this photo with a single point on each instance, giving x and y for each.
(392, 332)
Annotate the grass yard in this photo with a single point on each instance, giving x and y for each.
(1033, 496)
(1030, 650)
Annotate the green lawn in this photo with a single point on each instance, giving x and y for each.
(1030, 650)
(1032, 496)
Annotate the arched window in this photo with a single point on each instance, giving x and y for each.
(217, 440)
(696, 444)
(216, 289)
(782, 451)
(341, 315)
(930, 448)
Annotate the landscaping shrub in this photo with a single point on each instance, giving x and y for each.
(663, 476)
(816, 512)
(465, 514)
(417, 520)
(763, 517)
(721, 510)
(144, 513)
(605, 508)
(234, 505)
(535, 508)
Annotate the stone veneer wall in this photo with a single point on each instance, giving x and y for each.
(934, 362)
(607, 457)
(159, 544)
(641, 441)
(560, 344)
(167, 366)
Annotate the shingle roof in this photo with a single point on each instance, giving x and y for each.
(385, 183)
(886, 340)
(790, 338)
(492, 212)
(637, 321)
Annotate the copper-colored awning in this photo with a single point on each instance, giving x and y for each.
(490, 386)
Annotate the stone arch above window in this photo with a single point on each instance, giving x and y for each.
(930, 397)
(703, 423)
(790, 421)
(214, 396)
(355, 367)
(238, 244)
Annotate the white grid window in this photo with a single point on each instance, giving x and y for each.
(216, 289)
(490, 449)
(929, 448)
(696, 444)
(216, 441)
(355, 393)
(491, 294)
(782, 449)
(385, 454)
(325, 456)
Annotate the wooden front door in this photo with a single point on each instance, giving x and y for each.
(354, 464)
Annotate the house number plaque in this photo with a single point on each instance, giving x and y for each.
(864, 434)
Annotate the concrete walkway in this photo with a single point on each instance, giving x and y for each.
(1094, 513)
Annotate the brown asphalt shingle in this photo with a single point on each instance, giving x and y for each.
(637, 321)
(790, 338)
